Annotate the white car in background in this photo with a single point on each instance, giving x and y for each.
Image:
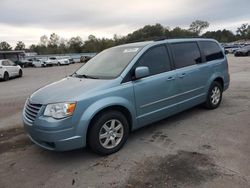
(51, 61)
(9, 69)
(56, 61)
(63, 60)
(38, 63)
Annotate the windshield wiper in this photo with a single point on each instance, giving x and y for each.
(84, 76)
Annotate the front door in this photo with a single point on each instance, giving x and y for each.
(154, 94)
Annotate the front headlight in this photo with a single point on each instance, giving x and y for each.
(60, 110)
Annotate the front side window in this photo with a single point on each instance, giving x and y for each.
(109, 63)
(186, 54)
(156, 59)
(211, 50)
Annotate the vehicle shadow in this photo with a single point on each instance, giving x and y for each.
(171, 121)
(88, 155)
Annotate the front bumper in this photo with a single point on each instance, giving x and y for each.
(57, 138)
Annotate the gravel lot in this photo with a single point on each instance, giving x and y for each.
(196, 148)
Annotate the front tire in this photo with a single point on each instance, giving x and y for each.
(214, 96)
(108, 133)
(20, 74)
(6, 76)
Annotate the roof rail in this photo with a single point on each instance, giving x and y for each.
(160, 38)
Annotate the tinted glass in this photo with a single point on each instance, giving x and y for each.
(156, 59)
(5, 63)
(109, 63)
(212, 51)
(186, 54)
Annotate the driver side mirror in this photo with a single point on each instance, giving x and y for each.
(141, 72)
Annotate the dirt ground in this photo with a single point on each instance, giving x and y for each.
(196, 148)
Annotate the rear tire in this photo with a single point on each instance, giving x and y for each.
(6, 76)
(108, 132)
(214, 96)
(248, 53)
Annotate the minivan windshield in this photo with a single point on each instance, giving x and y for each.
(109, 63)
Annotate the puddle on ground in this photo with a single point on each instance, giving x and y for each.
(179, 170)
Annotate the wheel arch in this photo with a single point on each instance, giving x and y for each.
(118, 108)
(5, 71)
(120, 104)
(220, 80)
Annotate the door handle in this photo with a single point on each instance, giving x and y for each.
(170, 78)
(182, 75)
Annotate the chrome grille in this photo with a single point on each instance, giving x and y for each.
(31, 110)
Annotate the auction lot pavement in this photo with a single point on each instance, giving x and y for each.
(196, 148)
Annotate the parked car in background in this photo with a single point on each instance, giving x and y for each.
(71, 60)
(76, 59)
(51, 61)
(38, 62)
(63, 61)
(20, 63)
(84, 59)
(231, 48)
(245, 51)
(25, 62)
(125, 88)
(9, 69)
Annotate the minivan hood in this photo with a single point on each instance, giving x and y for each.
(68, 89)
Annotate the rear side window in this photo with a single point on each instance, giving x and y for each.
(211, 50)
(186, 54)
(156, 59)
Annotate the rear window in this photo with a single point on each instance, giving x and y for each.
(186, 54)
(212, 50)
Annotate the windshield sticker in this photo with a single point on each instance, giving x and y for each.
(129, 50)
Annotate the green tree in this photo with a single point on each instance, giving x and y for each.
(4, 46)
(243, 31)
(54, 40)
(75, 44)
(178, 32)
(53, 44)
(20, 46)
(221, 36)
(198, 26)
(63, 47)
(148, 32)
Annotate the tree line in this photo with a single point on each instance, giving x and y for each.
(56, 44)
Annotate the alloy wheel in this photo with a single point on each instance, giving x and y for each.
(111, 134)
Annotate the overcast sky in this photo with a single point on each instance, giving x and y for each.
(27, 20)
